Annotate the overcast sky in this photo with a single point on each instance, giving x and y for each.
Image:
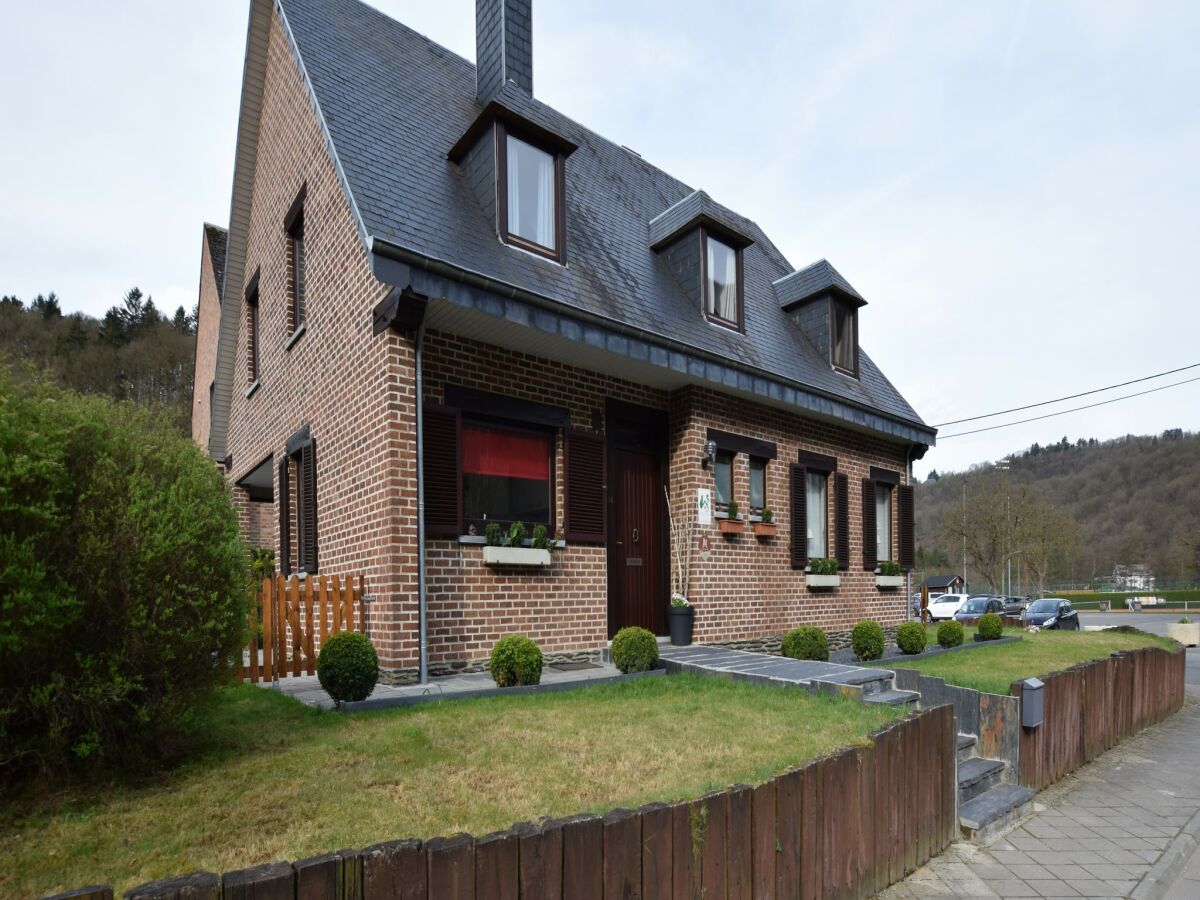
(1013, 186)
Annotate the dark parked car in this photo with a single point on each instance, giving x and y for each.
(976, 607)
(1014, 606)
(1051, 612)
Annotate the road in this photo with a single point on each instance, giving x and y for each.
(1155, 623)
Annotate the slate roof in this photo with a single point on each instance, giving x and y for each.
(218, 239)
(395, 103)
(811, 281)
(941, 581)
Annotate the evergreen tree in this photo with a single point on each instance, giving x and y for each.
(47, 307)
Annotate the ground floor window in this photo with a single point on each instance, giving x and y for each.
(723, 475)
(883, 522)
(758, 484)
(506, 474)
(815, 505)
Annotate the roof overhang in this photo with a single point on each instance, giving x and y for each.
(497, 111)
(693, 211)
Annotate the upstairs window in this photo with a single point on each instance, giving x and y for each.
(531, 213)
(844, 339)
(722, 283)
(293, 227)
(252, 334)
(506, 474)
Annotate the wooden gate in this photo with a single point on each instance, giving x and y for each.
(296, 616)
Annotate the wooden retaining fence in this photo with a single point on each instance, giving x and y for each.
(845, 826)
(296, 616)
(1092, 706)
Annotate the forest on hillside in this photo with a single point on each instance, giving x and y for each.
(1129, 501)
(134, 353)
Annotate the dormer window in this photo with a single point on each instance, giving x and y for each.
(844, 338)
(530, 194)
(722, 283)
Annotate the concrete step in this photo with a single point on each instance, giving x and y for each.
(977, 775)
(982, 818)
(891, 697)
(966, 746)
(870, 681)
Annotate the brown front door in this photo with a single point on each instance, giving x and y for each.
(638, 561)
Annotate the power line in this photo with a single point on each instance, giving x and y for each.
(1111, 387)
(943, 437)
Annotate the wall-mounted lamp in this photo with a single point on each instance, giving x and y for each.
(710, 454)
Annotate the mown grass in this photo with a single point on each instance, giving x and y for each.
(994, 669)
(278, 780)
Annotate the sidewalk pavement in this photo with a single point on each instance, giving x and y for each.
(1124, 826)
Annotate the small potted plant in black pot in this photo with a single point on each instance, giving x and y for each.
(681, 617)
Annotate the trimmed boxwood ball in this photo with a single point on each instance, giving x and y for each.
(950, 634)
(910, 637)
(806, 642)
(634, 650)
(516, 660)
(990, 627)
(867, 639)
(348, 667)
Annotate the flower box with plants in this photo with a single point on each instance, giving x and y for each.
(731, 522)
(889, 575)
(822, 573)
(507, 548)
(766, 527)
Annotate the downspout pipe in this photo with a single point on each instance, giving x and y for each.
(419, 405)
(908, 593)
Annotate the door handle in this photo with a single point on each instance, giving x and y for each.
(635, 535)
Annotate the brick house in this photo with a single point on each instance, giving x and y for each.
(430, 273)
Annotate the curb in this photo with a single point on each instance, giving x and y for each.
(1161, 876)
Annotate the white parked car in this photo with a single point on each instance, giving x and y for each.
(945, 606)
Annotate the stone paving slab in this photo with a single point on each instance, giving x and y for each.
(1124, 826)
(761, 667)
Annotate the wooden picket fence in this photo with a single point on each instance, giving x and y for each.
(296, 616)
(1091, 707)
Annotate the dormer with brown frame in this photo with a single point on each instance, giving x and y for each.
(824, 306)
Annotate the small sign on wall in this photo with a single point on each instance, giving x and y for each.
(703, 506)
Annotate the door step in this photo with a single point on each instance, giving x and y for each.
(985, 816)
(965, 747)
(891, 697)
(977, 775)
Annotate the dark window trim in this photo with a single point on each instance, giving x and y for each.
(300, 439)
(485, 403)
(833, 302)
(827, 473)
(558, 254)
(731, 455)
(766, 461)
(737, 443)
(295, 452)
(740, 324)
(505, 424)
(817, 461)
(296, 209)
(294, 232)
(884, 476)
(254, 332)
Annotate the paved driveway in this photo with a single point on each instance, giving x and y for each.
(1125, 826)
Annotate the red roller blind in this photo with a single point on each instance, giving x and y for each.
(507, 454)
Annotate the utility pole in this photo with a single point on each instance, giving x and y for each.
(964, 529)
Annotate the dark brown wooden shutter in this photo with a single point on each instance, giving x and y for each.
(284, 498)
(799, 517)
(443, 479)
(308, 507)
(586, 504)
(842, 524)
(907, 547)
(870, 548)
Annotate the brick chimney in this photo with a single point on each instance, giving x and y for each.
(503, 46)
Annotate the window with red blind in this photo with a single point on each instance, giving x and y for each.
(506, 474)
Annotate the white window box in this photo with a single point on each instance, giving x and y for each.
(889, 581)
(822, 581)
(516, 556)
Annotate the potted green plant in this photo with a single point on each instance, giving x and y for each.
(732, 522)
(681, 617)
(766, 527)
(1185, 631)
(509, 549)
(822, 573)
(889, 575)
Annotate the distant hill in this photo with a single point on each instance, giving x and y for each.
(1136, 499)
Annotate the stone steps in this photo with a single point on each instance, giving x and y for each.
(977, 776)
(985, 816)
(966, 746)
(891, 697)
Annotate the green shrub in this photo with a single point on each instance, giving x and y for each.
(516, 660)
(806, 642)
(990, 627)
(634, 650)
(950, 634)
(124, 584)
(348, 667)
(867, 640)
(822, 566)
(911, 637)
(888, 567)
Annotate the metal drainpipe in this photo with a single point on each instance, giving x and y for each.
(908, 599)
(423, 641)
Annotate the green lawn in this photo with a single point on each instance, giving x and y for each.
(994, 669)
(277, 780)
